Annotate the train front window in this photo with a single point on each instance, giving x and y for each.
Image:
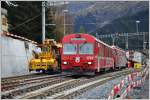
(86, 48)
(69, 48)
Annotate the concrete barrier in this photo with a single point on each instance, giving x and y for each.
(15, 55)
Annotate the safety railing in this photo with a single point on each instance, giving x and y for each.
(134, 79)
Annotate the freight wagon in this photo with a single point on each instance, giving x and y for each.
(135, 57)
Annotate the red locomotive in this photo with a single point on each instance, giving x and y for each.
(84, 53)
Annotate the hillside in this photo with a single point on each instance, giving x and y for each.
(127, 23)
(101, 13)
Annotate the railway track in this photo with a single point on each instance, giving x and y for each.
(62, 87)
(8, 79)
(16, 79)
(32, 87)
(53, 89)
(5, 86)
(71, 93)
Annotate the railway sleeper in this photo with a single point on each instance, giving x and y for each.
(39, 91)
(75, 91)
(23, 90)
(57, 90)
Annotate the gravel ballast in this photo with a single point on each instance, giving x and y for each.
(103, 91)
(100, 92)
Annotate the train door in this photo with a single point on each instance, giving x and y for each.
(108, 60)
(99, 50)
(105, 55)
(102, 56)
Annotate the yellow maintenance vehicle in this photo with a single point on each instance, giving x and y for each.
(48, 59)
(137, 66)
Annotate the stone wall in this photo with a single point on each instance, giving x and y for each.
(15, 56)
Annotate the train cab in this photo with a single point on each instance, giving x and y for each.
(77, 54)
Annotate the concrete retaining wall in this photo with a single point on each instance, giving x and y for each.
(14, 56)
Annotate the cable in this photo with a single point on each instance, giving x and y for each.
(26, 22)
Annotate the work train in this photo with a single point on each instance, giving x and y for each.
(83, 53)
(135, 57)
(47, 59)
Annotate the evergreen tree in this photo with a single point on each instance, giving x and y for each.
(82, 30)
(26, 19)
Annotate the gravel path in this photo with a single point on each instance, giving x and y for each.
(100, 92)
(141, 92)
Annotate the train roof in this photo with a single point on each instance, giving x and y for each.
(102, 42)
(85, 34)
(113, 46)
(76, 35)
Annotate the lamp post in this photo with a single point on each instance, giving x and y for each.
(65, 11)
(137, 22)
(137, 30)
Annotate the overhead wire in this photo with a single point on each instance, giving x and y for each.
(26, 22)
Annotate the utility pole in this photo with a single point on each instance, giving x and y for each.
(97, 36)
(43, 21)
(144, 41)
(64, 23)
(0, 19)
(65, 11)
(0, 35)
(113, 40)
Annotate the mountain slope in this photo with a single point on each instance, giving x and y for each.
(102, 13)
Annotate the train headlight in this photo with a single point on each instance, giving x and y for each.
(65, 62)
(89, 63)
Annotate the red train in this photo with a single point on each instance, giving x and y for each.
(84, 53)
(119, 57)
